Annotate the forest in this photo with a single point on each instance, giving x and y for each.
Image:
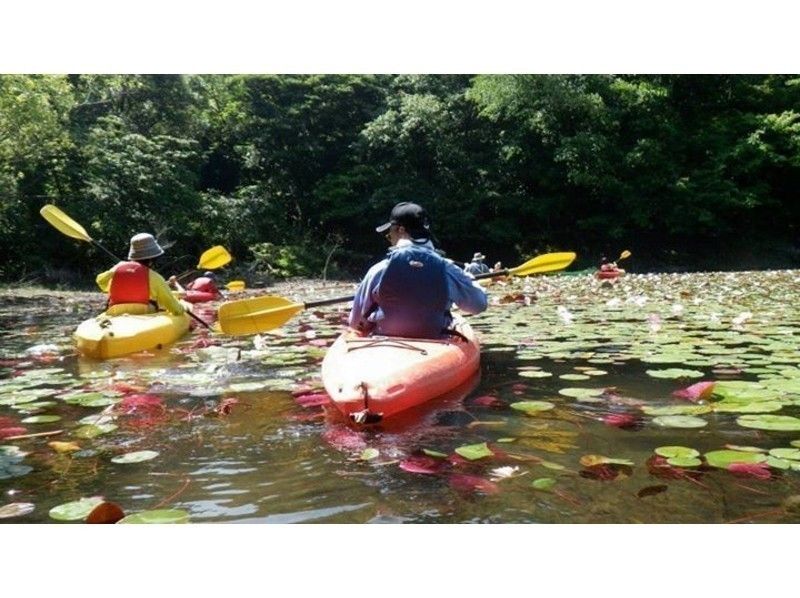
(292, 173)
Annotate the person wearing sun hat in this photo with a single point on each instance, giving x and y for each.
(411, 291)
(133, 286)
(477, 266)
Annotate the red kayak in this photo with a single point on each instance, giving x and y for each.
(199, 296)
(373, 377)
(609, 274)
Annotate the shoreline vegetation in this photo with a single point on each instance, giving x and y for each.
(291, 173)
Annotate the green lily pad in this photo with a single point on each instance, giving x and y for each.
(75, 510)
(792, 454)
(677, 410)
(779, 463)
(135, 457)
(157, 516)
(574, 377)
(669, 452)
(684, 461)
(369, 453)
(782, 423)
(581, 393)
(675, 373)
(92, 431)
(543, 484)
(434, 454)
(532, 407)
(16, 509)
(475, 451)
(679, 421)
(723, 458)
(41, 419)
(534, 374)
(552, 465)
(753, 407)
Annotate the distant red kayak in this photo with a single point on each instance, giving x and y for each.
(374, 377)
(199, 296)
(609, 274)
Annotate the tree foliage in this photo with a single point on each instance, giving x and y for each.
(293, 172)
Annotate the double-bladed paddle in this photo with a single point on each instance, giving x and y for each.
(211, 259)
(66, 225)
(260, 314)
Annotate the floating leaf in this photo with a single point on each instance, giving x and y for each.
(544, 484)
(677, 410)
(41, 419)
(581, 393)
(16, 509)
(684, 461)
(470, 483)
(135, 457)
(63, 447)
(592, 460)
(158, 516)
(676, 451)
(534, 374)
(793, 454)
(368, 454)
(105, 512)
(723, 458)
(679, 421)
(92, 431)
(753, 470)
(75, 510)
(435, 454)
(422, 464)
(574, 377)
(782, 423)
(474, 452)
(532, 407)
(674, 373)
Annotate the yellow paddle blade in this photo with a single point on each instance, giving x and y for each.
(624, 255)
(64, 223)
(214, 258)
(258, 314)
(235, 286)
(549, 262)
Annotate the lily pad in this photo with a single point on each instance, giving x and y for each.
(675, 373)
(16, 509)
(679, 421)
(723, 458)
(158, 516)
(581, 393)
(135, 457)
(792, 454)
(684, 461)
(368, 454)
(781, 423)
(534, 374)
(543, 484)
(669, 452)
(574, 377)
(75, 510)
(532, 407)
(92, 431)
(41, 419)
(474, 452)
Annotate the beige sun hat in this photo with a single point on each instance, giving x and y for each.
(144, 247)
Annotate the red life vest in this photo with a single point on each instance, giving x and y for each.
(130, 284)
(203, 284)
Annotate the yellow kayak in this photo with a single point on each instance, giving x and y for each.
(107, 336)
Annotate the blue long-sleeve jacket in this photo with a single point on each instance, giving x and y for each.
(462, 291)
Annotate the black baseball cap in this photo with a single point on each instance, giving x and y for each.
(411, 216)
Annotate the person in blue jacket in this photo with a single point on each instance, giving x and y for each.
(411, 291)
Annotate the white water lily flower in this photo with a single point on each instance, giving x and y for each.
(259, 342)
(677, 309)
(564, 314)
(654, 322)
(502, 473)
(615, 302)
(742, 318)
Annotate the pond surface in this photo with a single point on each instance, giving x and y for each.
(574, 418)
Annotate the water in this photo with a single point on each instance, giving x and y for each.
(267, 458)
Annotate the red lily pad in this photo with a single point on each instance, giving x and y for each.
(751, 470)
(15, 431)
(470, 483)
(140, 404)
(696, 392)
(621, 420)
(105, 512)
(488, 401)
(421, 464)
(313, 400)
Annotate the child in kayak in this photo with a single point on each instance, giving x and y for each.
(410, 292)
(133, 286)
(204, 286)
